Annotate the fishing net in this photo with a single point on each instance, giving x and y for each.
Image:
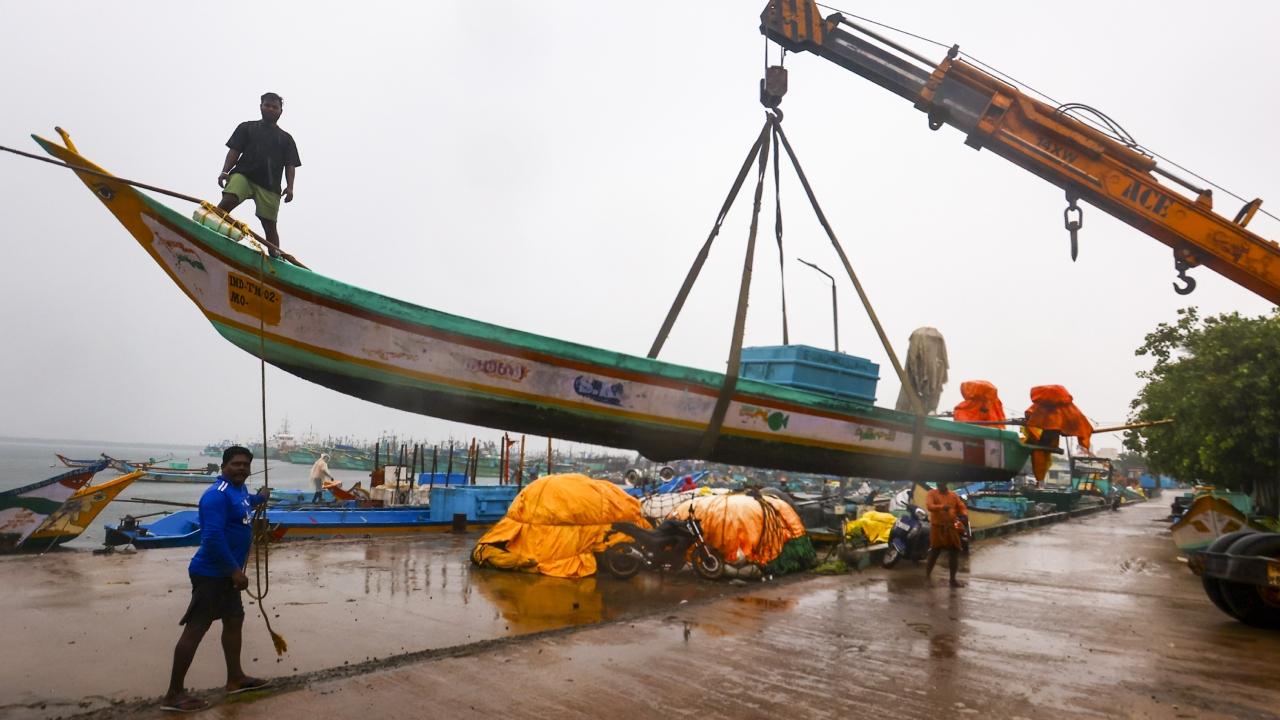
(744, 527)
(926, 370)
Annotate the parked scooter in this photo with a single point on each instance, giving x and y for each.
(909, 537)
(666, 547)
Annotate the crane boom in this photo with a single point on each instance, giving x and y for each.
(1085, 162)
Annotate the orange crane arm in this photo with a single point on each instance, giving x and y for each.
(1085, 162)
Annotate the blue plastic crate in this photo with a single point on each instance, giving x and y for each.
(441, 478)
(480, 503)
(810, 368)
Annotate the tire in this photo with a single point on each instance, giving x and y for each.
(708, 563)
(619, 561)
(1253, 604)
(890, 556)
(1213, 586)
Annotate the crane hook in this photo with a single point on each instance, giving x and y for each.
(1073, 220)
(1190, 283)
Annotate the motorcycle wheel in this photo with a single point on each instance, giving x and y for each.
(890, 557)
(620, 562)
(708, 563)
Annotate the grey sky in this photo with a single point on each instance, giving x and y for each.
(554, 167)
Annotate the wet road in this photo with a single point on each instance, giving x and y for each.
(96, 630)
(1091, 618)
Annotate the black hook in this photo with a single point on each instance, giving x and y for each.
(1073, 220)
(1190, 283)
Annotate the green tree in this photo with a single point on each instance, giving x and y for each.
(1220, 379)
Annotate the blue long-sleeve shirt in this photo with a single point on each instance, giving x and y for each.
(225, 530)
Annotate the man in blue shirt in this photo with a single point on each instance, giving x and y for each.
(217, 579)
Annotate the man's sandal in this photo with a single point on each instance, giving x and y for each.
(248, 684)
(185, 704)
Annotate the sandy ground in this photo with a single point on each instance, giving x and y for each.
(1090, 618)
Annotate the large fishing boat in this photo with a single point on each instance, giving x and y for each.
(422, 360)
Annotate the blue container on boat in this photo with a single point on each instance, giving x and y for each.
(810, 368)
(480, 503)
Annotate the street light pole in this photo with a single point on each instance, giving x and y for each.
(835, 317)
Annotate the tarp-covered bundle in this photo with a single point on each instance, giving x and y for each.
(744, 527)
(926, 370)
(556, 525)
(875, 526)
(1053, 408)
(981, 403)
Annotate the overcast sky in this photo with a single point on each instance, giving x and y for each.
(555, 166)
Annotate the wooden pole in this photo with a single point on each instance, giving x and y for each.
(548, 454)
(435, 465)
(520, 467)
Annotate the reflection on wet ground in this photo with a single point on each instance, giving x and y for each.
(336, 603)
(1094, 618)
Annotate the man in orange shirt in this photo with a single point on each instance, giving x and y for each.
(945, 507)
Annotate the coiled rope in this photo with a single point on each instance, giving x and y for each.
(261, 530)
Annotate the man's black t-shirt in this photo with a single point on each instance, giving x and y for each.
(265, 151)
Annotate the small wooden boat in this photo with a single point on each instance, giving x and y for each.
(77, 513)
(1208, 518)
(480, 505)
(422, 360)
(152, 474)
(24, 509)
(180, 529)
(73, 463)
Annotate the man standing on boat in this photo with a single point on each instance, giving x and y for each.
(217, 579)
(259, 152)
(945, 508)
(320, 473)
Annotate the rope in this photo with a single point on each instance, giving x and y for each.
(261, 533)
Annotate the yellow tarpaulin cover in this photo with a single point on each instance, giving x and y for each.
(875, 525)
(556, 525)
(739, 527)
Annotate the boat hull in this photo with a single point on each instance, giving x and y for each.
(78, 512)
(1207, 519)
(425, 361)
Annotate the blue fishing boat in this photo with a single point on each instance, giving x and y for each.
(481, 505)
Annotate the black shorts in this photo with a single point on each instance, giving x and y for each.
(212, 598)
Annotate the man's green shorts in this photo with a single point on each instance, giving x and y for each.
(267, 203)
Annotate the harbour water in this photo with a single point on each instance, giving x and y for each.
(27, 460)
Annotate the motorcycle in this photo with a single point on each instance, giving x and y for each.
(909, 537)
(666, 547)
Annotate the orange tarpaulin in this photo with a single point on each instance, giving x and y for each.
(739, 527)
(981, 402)
(1052, 408)
(556, 525)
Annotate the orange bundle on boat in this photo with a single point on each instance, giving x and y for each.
(981, 403)
(1052, 408)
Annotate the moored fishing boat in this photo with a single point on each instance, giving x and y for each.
(24, 509)
(425, 361)
(182, 528)
(77, 513)
(1210, 517)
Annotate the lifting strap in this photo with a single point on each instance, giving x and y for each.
(701, 259)
(712, 434)
(777, 230)
(772, 132)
